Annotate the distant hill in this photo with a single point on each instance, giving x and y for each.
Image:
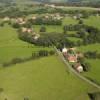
(66, 0)
(23, 1)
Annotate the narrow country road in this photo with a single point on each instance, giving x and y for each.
(73, 71)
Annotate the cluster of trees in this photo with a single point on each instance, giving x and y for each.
(88, 34)
(43, 29)
(75, 27)
(42, 21)
(15, 11)
(40, 53)
(48, 39)
(92, 55)
(93, 36)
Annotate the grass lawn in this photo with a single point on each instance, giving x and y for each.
(56, 28)
(92, 47)
(69, 20)
(94, 72)
(43, 79)
(49, 28)
(11, 47)
(95, 64)
(93, 21)
(74, 39)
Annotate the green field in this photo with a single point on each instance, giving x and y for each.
(43, 79)
(11, 47)
(95, 63)
(46, 78)
(93, 21)
(56, 28)
(91, 47)
(94, 72)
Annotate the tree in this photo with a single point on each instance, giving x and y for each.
(43, 29)
(80, 21)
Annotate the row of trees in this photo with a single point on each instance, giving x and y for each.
(88, 34)
(92, 55)
(41, 21)
(41, 53)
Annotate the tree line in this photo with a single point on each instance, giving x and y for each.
(35, 55)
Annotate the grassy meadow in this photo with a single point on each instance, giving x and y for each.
(44, 79)
(11, 47)
(95, 63)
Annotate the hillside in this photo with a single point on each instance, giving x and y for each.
(42, 80)
(67, 0)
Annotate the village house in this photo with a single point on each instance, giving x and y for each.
(75, 17)
(48, 5)
(47, 17)
(28, 30)
(36, 36)
(24, 29)
(64, 51)
(68, 56)
(78, 67)
(34, 17)
(20, 21)
(6, 19)
(72, 58)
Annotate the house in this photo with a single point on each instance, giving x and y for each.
(34, 17)
(64, 50)
(75, 17)
(24, 29)
(72, 58)
(36, 36)
(78, 67)
(29, 30)
(6, 19)
(20, 21)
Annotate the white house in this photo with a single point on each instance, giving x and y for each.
(64, 50)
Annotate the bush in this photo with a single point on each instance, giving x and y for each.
(16, 60)
(43, 29)
(1, 90)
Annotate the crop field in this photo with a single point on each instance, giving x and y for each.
(44, 79)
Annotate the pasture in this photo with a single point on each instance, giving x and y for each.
(11, 47)
(95, 63)
(43, 79)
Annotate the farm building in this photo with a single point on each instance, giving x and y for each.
(72, 58)
(78, 67)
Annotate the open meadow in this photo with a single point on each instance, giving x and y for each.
(44, 79)
(11, 47)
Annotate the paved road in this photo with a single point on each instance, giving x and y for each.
(74, 72)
